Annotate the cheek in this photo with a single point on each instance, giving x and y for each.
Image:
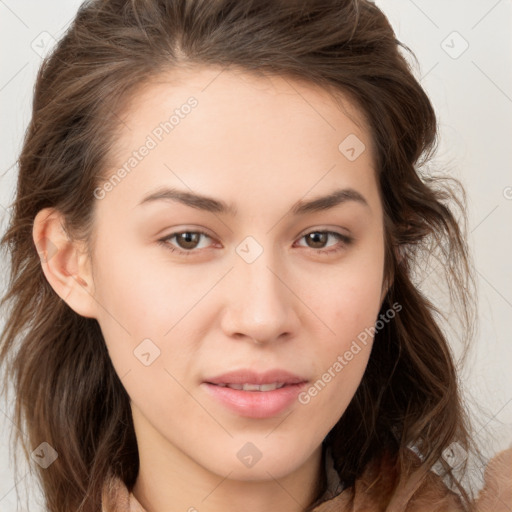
(352, 320)
(349, 307)
(137, 297)
(341, 358)
(349, 299)
(138, 308)
(147, 311)
(128, 304)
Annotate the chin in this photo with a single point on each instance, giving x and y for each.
(251, 464)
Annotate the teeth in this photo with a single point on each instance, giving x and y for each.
(255, 387)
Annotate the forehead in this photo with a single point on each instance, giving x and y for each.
(265, 133)
(240, 97)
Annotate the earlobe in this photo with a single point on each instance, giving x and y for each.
(65, 264)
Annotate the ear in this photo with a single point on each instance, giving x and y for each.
(65, 263)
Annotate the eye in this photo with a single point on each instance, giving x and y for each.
(318, 239)
(187, 241)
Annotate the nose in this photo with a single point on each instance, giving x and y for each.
(261, 306)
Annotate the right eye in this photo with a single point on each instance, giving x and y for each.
(187, 240)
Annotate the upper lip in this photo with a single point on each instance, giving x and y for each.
(246, 376)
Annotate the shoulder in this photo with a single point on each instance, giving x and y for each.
(496, 494)
(412, 491)
(380, 489)
(117, 498)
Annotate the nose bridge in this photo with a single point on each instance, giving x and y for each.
(260, 305)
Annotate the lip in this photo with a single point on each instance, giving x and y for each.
(246, 376)
(255, 404)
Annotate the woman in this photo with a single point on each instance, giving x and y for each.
(213, 303)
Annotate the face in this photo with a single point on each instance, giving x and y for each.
(217, 262)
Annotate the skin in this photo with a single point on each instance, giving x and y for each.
(262, 144)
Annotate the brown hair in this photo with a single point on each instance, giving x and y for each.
(67, 392)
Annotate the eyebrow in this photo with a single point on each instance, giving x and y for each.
(210, 204)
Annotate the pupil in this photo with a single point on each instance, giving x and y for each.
(188, 238)
(317, 237)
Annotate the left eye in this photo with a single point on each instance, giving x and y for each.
(321, 237)
(188, 241)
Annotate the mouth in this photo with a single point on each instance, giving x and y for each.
(255, 395)
(250, 380)
(254, 387)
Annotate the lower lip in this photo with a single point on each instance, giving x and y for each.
(255, 404)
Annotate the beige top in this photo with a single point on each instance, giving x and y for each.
(372, 492)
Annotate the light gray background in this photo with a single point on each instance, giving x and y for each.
(472, 94)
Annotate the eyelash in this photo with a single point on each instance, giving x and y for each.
(346, 240)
